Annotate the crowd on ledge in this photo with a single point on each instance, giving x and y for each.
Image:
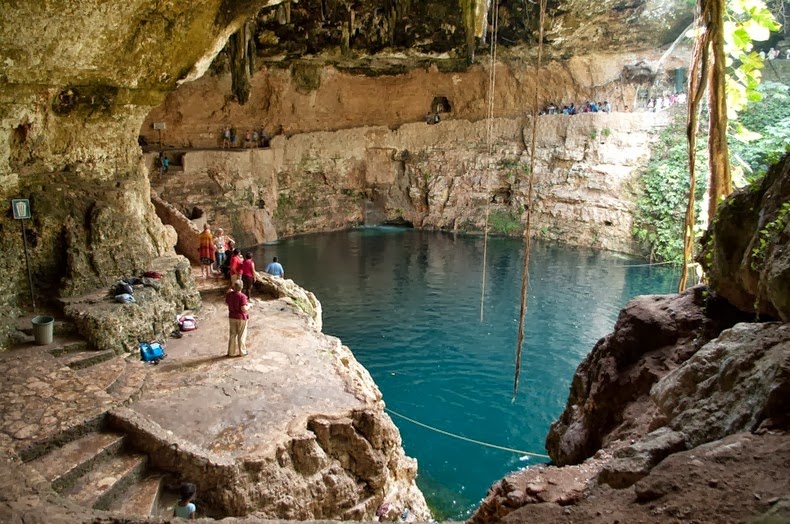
(774, 54)
(252, 138)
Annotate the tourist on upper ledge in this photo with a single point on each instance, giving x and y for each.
(206, 251)
(275, 268)
(226, 138)
(237, 320)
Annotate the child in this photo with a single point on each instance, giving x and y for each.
(185, 508)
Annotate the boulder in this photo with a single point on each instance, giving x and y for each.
(110, 325)
(653, 335)
(634, 462)
(745, 251)
(731, 384)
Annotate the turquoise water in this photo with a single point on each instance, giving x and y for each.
(408, 304)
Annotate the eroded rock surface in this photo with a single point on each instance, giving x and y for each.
(731, 384)
(158, 303)
(659, 410)
(745, 253)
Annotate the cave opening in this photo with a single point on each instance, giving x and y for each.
(441, 104)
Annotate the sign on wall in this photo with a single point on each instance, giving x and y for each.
(21, 208)
(159, 125)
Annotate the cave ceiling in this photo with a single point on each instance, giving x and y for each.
(155, 44)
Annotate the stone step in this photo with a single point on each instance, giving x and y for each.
(100, 487)
(104, 374)
(84, 359)
(167, 499)
(66, 464)
(129, 385)
(69, 346)
(142, 497)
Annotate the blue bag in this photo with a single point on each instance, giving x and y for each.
(151, 352)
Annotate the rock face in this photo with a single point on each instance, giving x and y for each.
(653, 335)
(732, 384)
(659, 408)
(76, 85)
(745, 254)
(440, 176)
(196, 113)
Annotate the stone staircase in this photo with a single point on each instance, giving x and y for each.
(90, 464)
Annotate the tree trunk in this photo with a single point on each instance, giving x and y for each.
(718, 161)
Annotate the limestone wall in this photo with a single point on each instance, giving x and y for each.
(441, 176)
(196, 113)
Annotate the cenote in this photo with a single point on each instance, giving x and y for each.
(407, 303)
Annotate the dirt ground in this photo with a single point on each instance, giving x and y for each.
(742, 478)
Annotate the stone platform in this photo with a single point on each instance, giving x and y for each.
(294, 430)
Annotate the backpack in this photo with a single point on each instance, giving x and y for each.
(187, 323)
(122, 287)
(124, 298)
(151, 352)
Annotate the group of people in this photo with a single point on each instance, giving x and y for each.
(660, 103)
(219, 257)
(773, 54)
(252, 138)
(587, 107)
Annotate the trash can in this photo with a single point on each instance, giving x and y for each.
(43, 329)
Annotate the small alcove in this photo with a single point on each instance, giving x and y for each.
(441, 104)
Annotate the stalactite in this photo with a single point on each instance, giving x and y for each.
(241, 48)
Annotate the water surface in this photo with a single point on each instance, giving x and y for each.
(408, 305)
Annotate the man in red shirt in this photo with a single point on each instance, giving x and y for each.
(237, 319)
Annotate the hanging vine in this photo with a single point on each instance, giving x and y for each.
(527, 237)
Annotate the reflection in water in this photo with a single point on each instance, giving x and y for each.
(408, 304)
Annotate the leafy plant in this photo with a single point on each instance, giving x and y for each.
(768, 235)
(504, 222)
(661, 207)
(745, 22)
(606, 131)
(768, 135)
(593, 134)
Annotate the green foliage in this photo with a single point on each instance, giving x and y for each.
(284, 203)
(512, 166)
(593, 134)
(504, 222)
(768, 136)
(661, 208)
(769, 234)
(606, 131)
(746, 21)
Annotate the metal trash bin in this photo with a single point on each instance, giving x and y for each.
(43, 329)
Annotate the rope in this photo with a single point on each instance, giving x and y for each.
(466, 439)
(527, 236)
(489, 142)
(637, 265)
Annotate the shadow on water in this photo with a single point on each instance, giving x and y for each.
(407, 303)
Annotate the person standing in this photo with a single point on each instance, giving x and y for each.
(206, 250)
(248, 274)
(220, 245)
(275, 268)
(237, 320)
(226, 138)
(234, 266)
